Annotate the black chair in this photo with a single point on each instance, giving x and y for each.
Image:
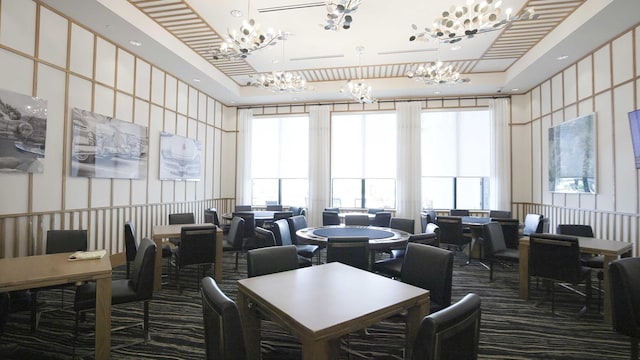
(431, 236)
(495, 248)
(278, 215)
(273, 259)
(356, 219)
(458, 212)
(451, 333)
(382, 219)
(503, 214)
(403, 224)
(241, 208)
(249, 232)
(430, 268)
(374, 210)
(393, 266)
(274, 207)
(332, 209)
(510, 231)
(556, 259)
(330, 218)
(130, 245)
(223, 336)
(625, 299)
(295, 210)
(180, 218)
(233, 241)
(58, 241)
(305, 250)
(283, 237)
(211, 217)
(350, 250)
(138, 288)
(197, 247)
(532, 224)
(452, 233)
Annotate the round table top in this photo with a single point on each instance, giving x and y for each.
(259, 215)
(379, 237)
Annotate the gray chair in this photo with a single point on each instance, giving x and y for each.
(349, 250)
(240, 208)
(458, 212)
(305, 250)
(223, 336)
(495, 248)
(510, 231)
(393, 266)
(197, 248)
(330, 218)
(356, 219)
(180, 218)
(282, 237)
(451, 333)
(625, 299)
(430, 268)
(249, 233)
(403, 224)
(333, 209)
(274, 207)
(382, 219)
(452, 233)
(374, 210)
(278, 215)
(233, 241)
(503, 214)
(273, 259)
(130, 245)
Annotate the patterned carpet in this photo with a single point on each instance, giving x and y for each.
(511, 328)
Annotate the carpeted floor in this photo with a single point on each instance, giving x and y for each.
(511, 328)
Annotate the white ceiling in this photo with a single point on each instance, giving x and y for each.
(496, 62)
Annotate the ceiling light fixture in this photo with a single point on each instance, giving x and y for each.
(339, 14)
(436, 73)
(359, 90)
(280, 81)
(240, 43)
(466, 21)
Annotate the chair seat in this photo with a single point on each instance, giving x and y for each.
(121, 292)
(391, 267)
(166, 251)
(304, 261)
(508, 254)
(307, 250)
(593, 261)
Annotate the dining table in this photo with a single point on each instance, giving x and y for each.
(610, 249)
(259, 215)
(321, 303)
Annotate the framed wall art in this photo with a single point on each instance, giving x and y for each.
(179, 157)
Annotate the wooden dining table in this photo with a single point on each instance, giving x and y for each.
(610, 249)
(161, 232)
(37, 271)
(321, 303)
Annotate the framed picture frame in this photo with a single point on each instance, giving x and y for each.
(179, 158)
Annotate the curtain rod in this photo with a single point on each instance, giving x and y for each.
(380, 101)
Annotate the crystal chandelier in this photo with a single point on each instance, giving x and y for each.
(238, 44)
(359, 90)
(437, 74)
(280, 81)
(474, 18)
(339, 14)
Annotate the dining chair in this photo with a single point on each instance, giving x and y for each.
(283, 237)
(249, 233)
(349, 250)
(223, 334)
(532, 224)
(197, 247)
(452, 233)
(495, 248)
(430, 268)
(333, 209)
(233, 241)
(274, 207)
(458, 212)
(381, 219)
(374, 210)
(180, 218)
(130, 245)
(392, 266)
(272, 259)
(510, 231)
(504, 214)
(306, 250)
(625, 299)
(240, 208)
(404, 224)
(356, 219)
(330, 218)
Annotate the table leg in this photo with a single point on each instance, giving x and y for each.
(605, 285)
(157, 272)
(217, 268)
(415, 314)
(251, 326)
(103, 318)
(320, 350)
(524, 269)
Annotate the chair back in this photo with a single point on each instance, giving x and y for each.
(356, 219)
(451, 230)
(249, 223)
(295, 210)
(575, 230)
(403, 224)
(503, 214)
(240, 208)
(211, 216)
(625, 296)
(333, 209)
(197, 245)
(182, 218)
(272, 259)
(330, 218)
(130, 246)
(451, 333)
(532, 223)
(374, 210)
(60, 241)
(555, 257)
(142, 270)
(282, 215)
(236, 233)
(282, 233)
(430, 268)
(493, 238)
(274, 207)
(223, 335)
(458, 212)
(350, 250)
(510, 231)
(425, 238)
(382, 219)
(296, 223)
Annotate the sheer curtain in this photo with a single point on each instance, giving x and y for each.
(243, 177)
(319, 163)
(409, 171)
(500, 155)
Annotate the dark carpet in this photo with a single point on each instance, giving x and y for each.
(511, 328)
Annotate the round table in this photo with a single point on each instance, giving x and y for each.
(379, 237)
(259, 215)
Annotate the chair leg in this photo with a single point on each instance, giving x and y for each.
(634, 348)
(490, 271)
(237, 254)
(146, 322)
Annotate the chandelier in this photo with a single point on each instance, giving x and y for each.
(474, 18)
(280, 81)
(339, 14)
(437, 74)
(238, 44)
(359, 90)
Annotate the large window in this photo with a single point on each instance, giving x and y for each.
(280, 160)
(456, 159)
(363, 160)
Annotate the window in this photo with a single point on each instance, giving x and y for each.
(363, 160)
(456, 159)
(280, 160)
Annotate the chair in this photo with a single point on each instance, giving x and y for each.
(356, 219)
(452, 233)
(458, 212)
(510, 231)
(211, 217)
(197, 247)
(556, 259)
(451, 333)
(282, 235)
(393, 266)
(333, 209)
(295, 210)
(625, 299)
(500, 214)
(138, 288)
(223, 336)
(181, 218)
(282, 215)
(374, 210)
(382, 219)
(273, 259)
(349, 250)
(306, 250)
(249, 233)
(240, 208)
(403, 224)
(274, 207)
(234, 239)
(130, 245)
(430, 268)
(532, 224)
(58, 241)
(330, 218)
(495, 248)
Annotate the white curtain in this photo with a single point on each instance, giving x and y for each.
(243, 177)
(500, 155)
(319, 163)
(408, 168)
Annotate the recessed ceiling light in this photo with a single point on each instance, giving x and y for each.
(436, 92)
(515, 89)
(562, 57)
(456, 47)
(196, 80)
(236, 13)
(135, 43)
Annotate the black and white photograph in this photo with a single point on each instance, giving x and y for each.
(104, 147)
(23, 128)
(179, 157)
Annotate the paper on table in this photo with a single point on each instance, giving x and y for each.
(87, 255)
